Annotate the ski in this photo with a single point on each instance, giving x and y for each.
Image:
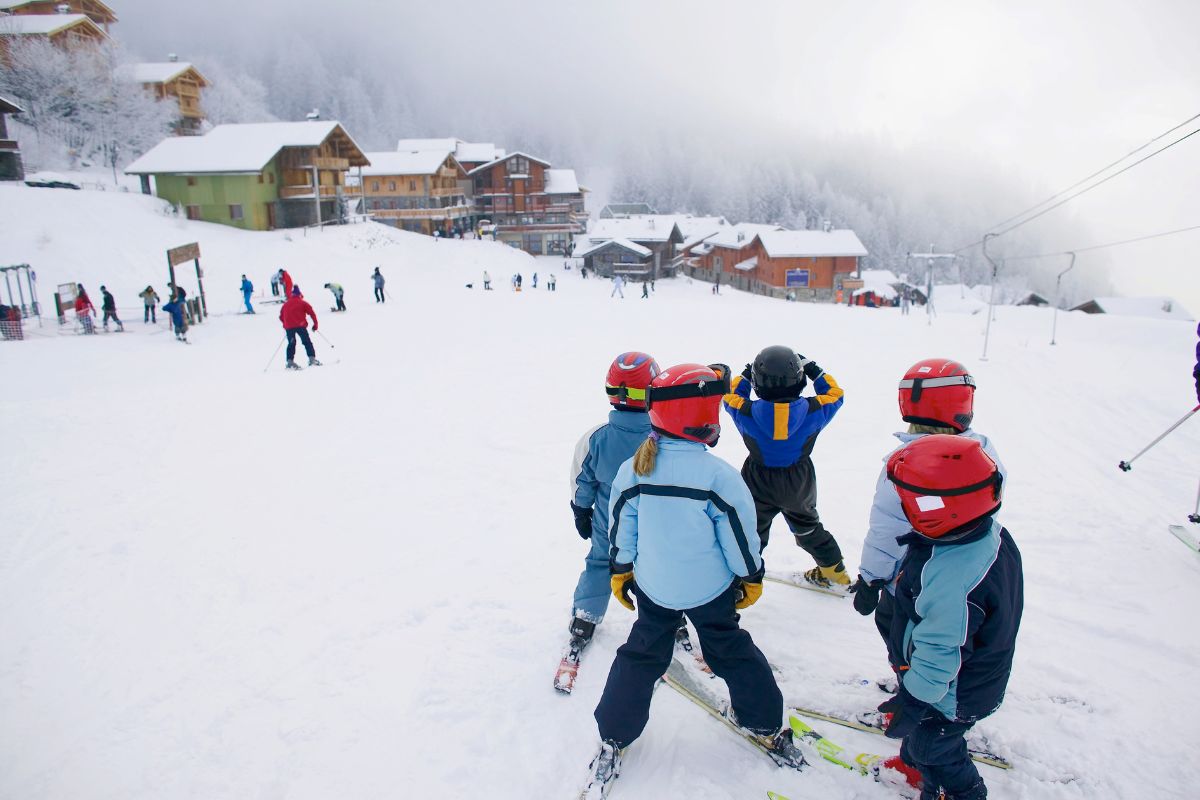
(1187, 537)
(785, 754)
(863, 763)
(798, 581)
(568, 668)
(604, 771)
(975, 746)
(683, 641)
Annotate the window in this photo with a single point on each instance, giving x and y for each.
(270, 177)
(260, 177)
(412, 186)
(391, 186)
(374, 186)
(235, 211)
(193, 212)
(191, 181)
(532, 244)
(518, 165)
(717, 263)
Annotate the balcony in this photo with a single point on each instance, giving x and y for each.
(450, 212)
(306, 192)
(9, 144)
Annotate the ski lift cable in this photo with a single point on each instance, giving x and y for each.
(1103, 246)
(1084, 190)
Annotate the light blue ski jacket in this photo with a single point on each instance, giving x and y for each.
(599, 454)
(881, 554)
(688, 527)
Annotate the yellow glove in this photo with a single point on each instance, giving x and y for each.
(749, 594)
(621, 583)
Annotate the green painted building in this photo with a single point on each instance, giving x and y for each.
(259, 177)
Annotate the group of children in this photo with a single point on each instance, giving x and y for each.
(671, 536)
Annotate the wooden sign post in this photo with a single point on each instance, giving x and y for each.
(182, 254)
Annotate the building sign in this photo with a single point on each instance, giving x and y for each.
(183, 253)
(797, 277)
(851, 284)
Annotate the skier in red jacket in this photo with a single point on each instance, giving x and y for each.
(286, 280)
(84, 310)
(294, 316)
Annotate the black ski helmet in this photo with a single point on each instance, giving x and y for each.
(777, 373)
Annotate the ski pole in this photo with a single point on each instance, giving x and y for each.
(1195, 515)
(281, 341)
(326, 338)
(1125, 466)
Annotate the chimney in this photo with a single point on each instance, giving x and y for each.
(651, 221)
(62, 8)
(741, 236)
(173, 58)
(313, 115)
(827, 226)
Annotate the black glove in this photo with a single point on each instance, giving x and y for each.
(866, 595)
(748, 373)
(583, 521)
(906, 712)
(811, 370)
(1196, 375)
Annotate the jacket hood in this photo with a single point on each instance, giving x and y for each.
(634, 421)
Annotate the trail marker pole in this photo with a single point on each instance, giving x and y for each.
(991, 296)
(1057, 295)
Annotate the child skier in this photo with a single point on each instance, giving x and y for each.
(682, 544)
(937, 396)
(294, 316)
(247, 290)
(175, 309)
(959, 597)
(598, 455)
(84, 310)
(377, 277)
(780, 430)
(150, 299)
(109, 306)
(338, 292)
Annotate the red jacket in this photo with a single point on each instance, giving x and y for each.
(287, 283)
(294, 313)
(83, 303)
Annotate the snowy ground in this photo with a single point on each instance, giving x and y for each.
(354, 581)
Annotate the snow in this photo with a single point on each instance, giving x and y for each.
(728, 236)
(880, 282)
(636, 229)
(1154, 307)
(418, 162)
(957, 298)
(632, 247)
(793, 244)
(230, 149)
(561, 181)
(354, 581)
(8, 106)
(39, 24)
(153, 72)
(501, 157)
(747, 265)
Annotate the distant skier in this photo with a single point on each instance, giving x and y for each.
(937, 396)
(535, 280)
(150, 300)
(717, 284)
(583, 272)
(285, 280)
(294, 316)
(174, 308)
(552, 284)
(959, 598)
(338, 292)
(683, 545)
(380, 295)
(247, 290)
(109, 306)
(645, 289)
(275, 284)
(905, 301)
(780, 430)
(487, 281)
(598, 455)
(618, 283)
(84, 310)
(1196, 370)
(520, 280)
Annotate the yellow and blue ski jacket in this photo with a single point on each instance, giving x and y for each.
(780, 434)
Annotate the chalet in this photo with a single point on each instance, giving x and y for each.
(10, 153)
(469, 154)
(659, 235)
(718, 253)
(258, 176)
(419, 191)
(68, 31)
(94, 10)
(1033, 299)
(1153, 307)
(625, 210)
(175, 80)
(611, 257)
(809, 265)
(882, 287)
(535, 208)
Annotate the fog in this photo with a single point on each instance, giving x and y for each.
(919, 123)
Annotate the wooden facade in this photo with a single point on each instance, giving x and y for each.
(67, 31)
(512, 193)
(10, 154)
(420, 200)
(747, 263)
(94, 10)
(185, 89)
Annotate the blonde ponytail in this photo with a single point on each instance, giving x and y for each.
(645, 457)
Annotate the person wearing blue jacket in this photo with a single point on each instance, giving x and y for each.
(683, 543)
(175, 310)
(598, 455)
(942, 403)
(959, 599)
(780, 430)
(247, 290)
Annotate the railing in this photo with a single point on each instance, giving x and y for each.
(8, 144)
(295, 192)
(420, 213)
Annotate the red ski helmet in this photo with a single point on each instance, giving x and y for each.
(945, 482)
(938, 391)
(685, 401)
(628, 378)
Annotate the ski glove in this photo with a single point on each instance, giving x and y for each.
(906, 710)
(622, 582)
(749, 589)
(748, 373)
(811, 370)
(866, 595)
(583, 521)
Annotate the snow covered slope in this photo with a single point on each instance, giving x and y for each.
(354, 581)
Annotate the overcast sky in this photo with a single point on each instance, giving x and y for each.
(1045, 91)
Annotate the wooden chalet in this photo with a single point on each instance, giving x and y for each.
(1032, 299)
(176, 81)
(68, 31)
(717, 254)
(622, 257)
(659, 236)
(625, 210)
(469, 154)
(802, 265)
(10, 153)
(535, 208)
(94, 10)
(420, 191)
(257, 176)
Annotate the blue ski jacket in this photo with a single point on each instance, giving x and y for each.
(780, 434)
(247, 286)
(599, 454)
(958, 611)
(881, 553)
(688, 528)
(175, 309)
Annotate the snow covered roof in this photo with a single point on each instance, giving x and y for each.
(500, 158)
(1154, 307)
(797, 244)
(747, 265)
(233, 149)
(596, 246)
(626, 209)
(420, 162)
(43, 24)
(885, 276)
(9, 107)
(728, 236)
(156, 72)
(877, 282)
(636, 229)
(561, 181)
(463, 151)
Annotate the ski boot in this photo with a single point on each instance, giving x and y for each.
(834, 577)
(292, 365)
(605, 768)
(781, 747)
(312, 362)
(581, 631)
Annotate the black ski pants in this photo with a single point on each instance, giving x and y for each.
(341, 304)
(624, 707)
(791, 491)
(292, 333)
(939, 750)
(380, 297)
(885, 613)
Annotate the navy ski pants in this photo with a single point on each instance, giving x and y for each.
(939, 750)
(624, 708)
(292, 333)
